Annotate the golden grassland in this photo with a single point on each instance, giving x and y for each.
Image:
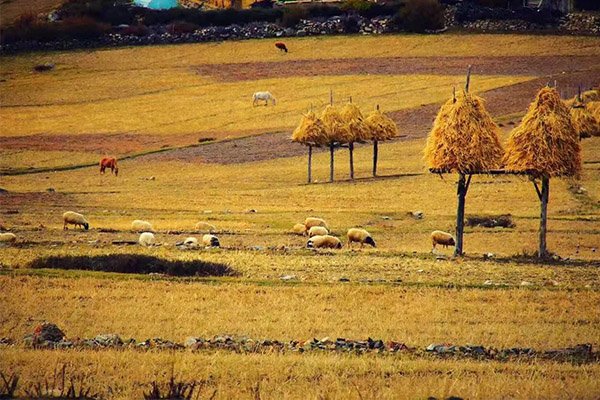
(295, 376)
(195, 106)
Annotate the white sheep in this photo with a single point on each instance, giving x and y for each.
(146, 239)
(210, 241)
(76, 219)
(443, 238)
(141, 226)
(317, 231)
(299, 229)
(191, 242)
(205, 227)
(312, 221)
(8, 237)
(360, 236)
(325, 241)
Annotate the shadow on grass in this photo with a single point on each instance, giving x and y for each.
(134, 264)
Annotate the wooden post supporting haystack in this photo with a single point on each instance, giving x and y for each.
(375, 151)
(309, 163)
(331, 162)
(544, 197)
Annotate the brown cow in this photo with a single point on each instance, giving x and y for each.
(281, 46)
(109, 163)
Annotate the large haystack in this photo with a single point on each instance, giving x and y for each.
(336, 129)
(381, 127)
(545, 143)
(464, 138)
(594, 108)
(585, 123)
(357, 129)
(310, 131)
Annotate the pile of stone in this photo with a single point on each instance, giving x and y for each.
(581, 23)
(49, 336)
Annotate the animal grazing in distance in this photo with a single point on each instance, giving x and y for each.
(210, 241)
(266, 96)
(443, 238)
(299, 229)
(361, 236)
(324, 242)
(109, 163)
(76, 219)
(205, 227)
(146, 239)
(191, 242)
(281, 46)
(317, 231)
(141, 226)
(312, 221)
(8, 237)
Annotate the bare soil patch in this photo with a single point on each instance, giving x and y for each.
(534, 65)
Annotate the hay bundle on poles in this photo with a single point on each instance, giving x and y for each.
(464, 139)
(381, 128)
(310, 132)
(594, 109)
(585, 123)
(544, 145)
(335, 131)
(357, 130)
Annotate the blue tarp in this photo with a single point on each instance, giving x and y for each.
(157, 4)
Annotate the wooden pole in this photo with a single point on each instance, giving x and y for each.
(545, 194)
(375, 151)
(460, 214)
(468, 79)
(309, 163)
(351, 149)
(331, 162)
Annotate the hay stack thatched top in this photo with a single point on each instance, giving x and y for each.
(357, 129)
(464, 138)
(310, 131)
(335, 128)
(381, 127)
(584, 122)
(545, 143)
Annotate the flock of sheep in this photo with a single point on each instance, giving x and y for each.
(316, 229)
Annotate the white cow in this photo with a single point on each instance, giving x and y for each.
(266, 96)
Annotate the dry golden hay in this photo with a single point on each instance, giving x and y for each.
(336, 130)
(545, 143)
(350, 112)
(381, 127)
(590, 95)
(358, 130)
(594, 108)
(585, 123)
(310, 131)
(464, 138)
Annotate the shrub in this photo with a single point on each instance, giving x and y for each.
(136, 30)
(421, 15)
(181, 27)
(292, 15)
(70, 28)
(356, 5)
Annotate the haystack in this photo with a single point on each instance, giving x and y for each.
(381, 127)
(464, 138)
(545, 144)
(585, 123)
(358, 130)
(335, 126)
(310, 130)
(594, 108)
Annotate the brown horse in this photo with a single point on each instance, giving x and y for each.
(281, 46)
(109, 163)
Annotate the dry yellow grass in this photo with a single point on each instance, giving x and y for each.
(195, 106)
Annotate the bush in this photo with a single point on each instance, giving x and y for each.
(591, 5)
(356, 5)
(421, 15)
(181, 27)
(70, 28)
(136, 30)
(292, 15)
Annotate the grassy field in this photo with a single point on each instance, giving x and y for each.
(398, 291)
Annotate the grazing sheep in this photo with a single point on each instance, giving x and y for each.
(281, 46)
(299, 229)
(76, 219)
(361, 236)
(205, 227)
(210, 241)
(324, 242)
(146, 239)
(443, 238)
(317, 231)
(8, 237)
(141, 226)
(311, 221)
(191, 242)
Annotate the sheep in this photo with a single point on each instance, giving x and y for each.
(146, 239)
(8, 237)
(317, 231)
(443, 238)
(361, 236)
(325, 241)
(76, 219)
(210, 241)
(205, 227)
(141, 226)
(191, 242)
(311, 221)
(299, 229)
